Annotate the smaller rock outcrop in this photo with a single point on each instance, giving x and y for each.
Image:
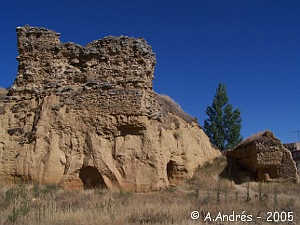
(264, 158)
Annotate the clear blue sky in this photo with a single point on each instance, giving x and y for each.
(252, 46)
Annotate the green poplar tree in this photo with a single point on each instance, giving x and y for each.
(223, 124)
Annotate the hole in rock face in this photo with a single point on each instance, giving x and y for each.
(171, 170)
(176, 172)
(91, 178)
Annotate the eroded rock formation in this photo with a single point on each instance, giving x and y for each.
(264, 158)
(86, 116)
(3, 93)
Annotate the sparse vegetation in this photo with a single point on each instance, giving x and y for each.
(170, 106)
(16, 199)
(176, 135)
(205, 192)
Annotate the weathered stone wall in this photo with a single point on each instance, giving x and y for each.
(87, 116)
(121, 62)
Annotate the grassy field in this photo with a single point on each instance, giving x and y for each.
(205, 192)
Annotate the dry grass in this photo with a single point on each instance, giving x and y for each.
(206, 192)
(170, 106)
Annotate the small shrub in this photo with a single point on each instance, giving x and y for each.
(177, 123)
(206, 199)
(123, 194)
(12, 218)
(36, 190)
(169, 105)
(290, 205)
(194, 194)
(248, 192)
(207, 164)
(49, 188)
(171, 189)
(16, 199)
(275, 200)
(260, 192)
(99, 191)
(39, 190)
(149, 217)
(218, 191)
(176, 135)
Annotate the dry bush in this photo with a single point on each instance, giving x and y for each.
(208, 175)
(170, 106)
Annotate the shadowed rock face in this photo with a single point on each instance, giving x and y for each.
(265, 158)
(87, 116)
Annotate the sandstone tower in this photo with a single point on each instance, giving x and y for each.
(87, 116)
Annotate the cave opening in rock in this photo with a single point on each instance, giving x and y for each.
(171, 170)
(91, 178)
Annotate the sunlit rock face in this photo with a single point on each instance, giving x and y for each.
(264, 158)
(87, 116)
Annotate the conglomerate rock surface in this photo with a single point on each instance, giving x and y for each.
(86, 116)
